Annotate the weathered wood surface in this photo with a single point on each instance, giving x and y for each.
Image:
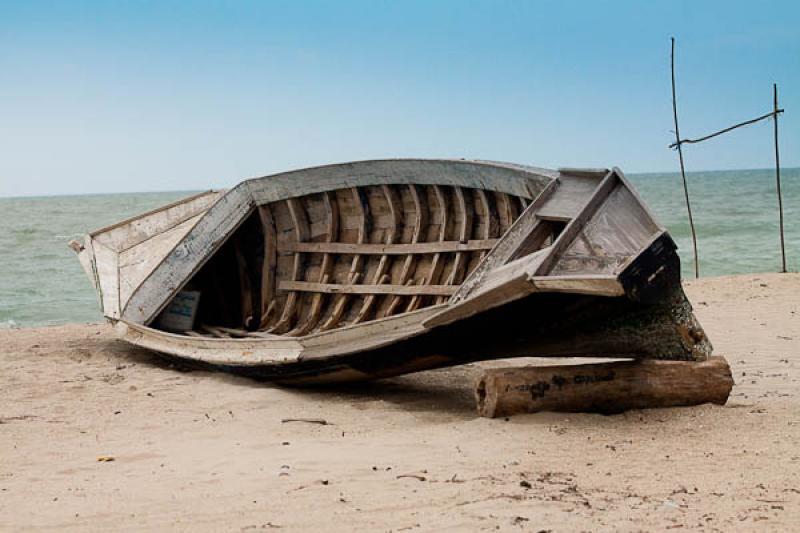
(337, 288)
(508, 245)
(106, 264)
(119, 257)
(465, 177)
(518, 180)
(138, 261)
(389, 249)
(603, 388)
(210, 232)
(577, 223)
(130, 232)
(363, 257)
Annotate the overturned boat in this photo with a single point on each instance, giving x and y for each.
(378, 268)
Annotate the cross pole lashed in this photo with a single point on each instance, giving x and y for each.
(680, 142)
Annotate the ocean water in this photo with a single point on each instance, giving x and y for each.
(736, 217)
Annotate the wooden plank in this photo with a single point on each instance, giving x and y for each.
(437, 263)
(192, 333)
(506, 247)
(269, 265)
(395, 209)
(246, 292)
(616, 232)
(300, 222)
(572, 229)
(600, 285)
(514, 179)
(389, 249)
(137, 261)
(210, 232)
(420, 221)
(463, 235)
(326, 268)
(355, 274)
(86, 258)
(501, 285)
(584, 172)
(223, 350)
(336, 288)
(490, 222)
(136, 230)
(573, 193)
(605, 387)
(106, 263)
(506, 211)
(629, 186)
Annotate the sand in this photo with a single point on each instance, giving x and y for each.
(201, 451)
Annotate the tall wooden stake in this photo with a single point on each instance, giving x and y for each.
(778, 174)
(680, 157)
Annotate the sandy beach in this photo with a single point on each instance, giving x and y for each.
(96, 435)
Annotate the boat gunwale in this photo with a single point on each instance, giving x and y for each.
(93, 234)
(318, 345)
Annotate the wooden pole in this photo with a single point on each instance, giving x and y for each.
(603, 388)
(680, 157)
(778, 174)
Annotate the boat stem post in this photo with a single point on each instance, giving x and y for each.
(680, 158)
(776, 111)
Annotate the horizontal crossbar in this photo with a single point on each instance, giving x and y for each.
(335, 288)
(386, 249)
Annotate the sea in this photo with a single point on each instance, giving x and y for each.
(735, 215)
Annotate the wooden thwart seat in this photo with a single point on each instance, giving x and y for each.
(388, 249)
(336, 288)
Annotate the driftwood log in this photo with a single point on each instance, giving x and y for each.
(603, 388)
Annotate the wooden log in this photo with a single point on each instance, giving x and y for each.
(603, 388)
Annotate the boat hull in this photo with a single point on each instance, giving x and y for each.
(379, 268)
(652, 320)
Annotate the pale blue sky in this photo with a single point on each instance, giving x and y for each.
(135, 96)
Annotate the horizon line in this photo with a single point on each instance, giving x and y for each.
(161, 191)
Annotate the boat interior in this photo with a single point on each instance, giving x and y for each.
(327, 260)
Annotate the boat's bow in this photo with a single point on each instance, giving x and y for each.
(118, 258)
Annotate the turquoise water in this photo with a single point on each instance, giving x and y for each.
(42, 283)
(735, 216)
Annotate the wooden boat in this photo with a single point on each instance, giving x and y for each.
(377, 268)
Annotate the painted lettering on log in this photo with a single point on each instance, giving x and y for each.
(539, 389)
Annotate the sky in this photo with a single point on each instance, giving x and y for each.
(120, 96)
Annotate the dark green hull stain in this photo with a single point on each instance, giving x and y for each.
(653, 320)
